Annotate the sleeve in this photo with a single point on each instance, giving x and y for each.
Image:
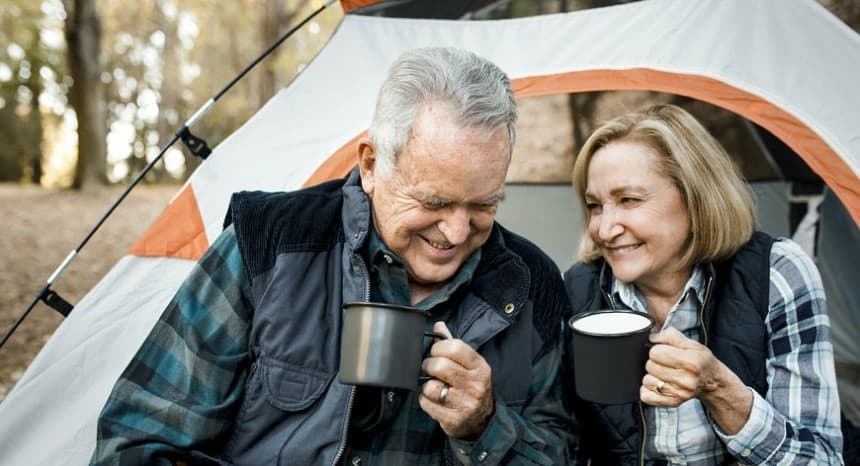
(797, 422)
(179, 393)
(537, 435)
(541, 432)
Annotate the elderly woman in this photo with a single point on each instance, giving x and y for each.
(741, 367)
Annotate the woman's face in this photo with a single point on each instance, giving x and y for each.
(637, 217)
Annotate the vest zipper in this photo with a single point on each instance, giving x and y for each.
(610, 300)
(702, 312)
(705, 330)
(345, 433)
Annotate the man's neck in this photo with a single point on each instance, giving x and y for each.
(419, 291)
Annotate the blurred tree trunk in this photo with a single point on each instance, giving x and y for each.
(166, 87)
(582, 108)
(276, 16)
(83, 36)
(34, 124)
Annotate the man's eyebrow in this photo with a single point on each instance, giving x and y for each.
(492, 200)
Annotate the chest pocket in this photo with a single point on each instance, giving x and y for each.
(281, 401)
(290, 387)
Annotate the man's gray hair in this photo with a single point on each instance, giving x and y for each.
(478, 91)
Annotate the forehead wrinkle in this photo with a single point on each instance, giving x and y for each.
(618, 190)
(492, 199)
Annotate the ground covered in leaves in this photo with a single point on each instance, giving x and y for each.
(40, 228)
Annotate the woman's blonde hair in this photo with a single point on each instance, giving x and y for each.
(720, 203)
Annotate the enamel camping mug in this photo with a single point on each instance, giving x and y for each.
(382, 345)
(610, 348)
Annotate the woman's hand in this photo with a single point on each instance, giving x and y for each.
(679, 369)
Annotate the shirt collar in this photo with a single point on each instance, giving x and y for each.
(631, 297)
(391, 282)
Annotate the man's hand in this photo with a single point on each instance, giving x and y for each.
(679, 369)
(468, 401)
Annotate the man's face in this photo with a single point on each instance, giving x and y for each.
(438, 205)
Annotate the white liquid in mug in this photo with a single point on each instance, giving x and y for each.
(610, 323)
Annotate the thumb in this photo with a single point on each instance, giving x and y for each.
(440, 327)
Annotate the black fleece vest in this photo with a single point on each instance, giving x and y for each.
(736, 305)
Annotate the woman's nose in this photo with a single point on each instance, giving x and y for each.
(609, 225)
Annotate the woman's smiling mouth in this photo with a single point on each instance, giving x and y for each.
(619, 250)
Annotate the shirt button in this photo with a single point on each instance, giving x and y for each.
(746, 453)
(509, 308)
(356, 461)
(461, 451)
(390, 396)
(482, 456)
(388, 259)
(678, 460)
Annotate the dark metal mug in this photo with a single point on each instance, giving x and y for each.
(610, 348)
(382, 345)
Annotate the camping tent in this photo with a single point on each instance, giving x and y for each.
(747, 57)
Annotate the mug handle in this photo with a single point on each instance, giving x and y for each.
(435, 335)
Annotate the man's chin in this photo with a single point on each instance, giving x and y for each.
(434, 277)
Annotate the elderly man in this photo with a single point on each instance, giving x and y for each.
(242, 366)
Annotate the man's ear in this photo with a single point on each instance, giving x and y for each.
(367, 164)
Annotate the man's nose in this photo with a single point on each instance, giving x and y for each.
(456, 225)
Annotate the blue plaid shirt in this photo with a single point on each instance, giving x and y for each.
(800, 375)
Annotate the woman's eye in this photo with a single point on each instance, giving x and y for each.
(592, 206)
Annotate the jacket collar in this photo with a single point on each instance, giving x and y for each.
(355, 214)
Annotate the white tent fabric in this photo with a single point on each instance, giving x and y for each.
(771, 61)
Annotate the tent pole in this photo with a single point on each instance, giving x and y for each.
(183, 130)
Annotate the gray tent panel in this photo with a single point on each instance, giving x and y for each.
(838, 258)
(548, 215)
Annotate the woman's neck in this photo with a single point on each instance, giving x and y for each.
(662, 295)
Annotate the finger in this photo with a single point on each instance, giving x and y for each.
(651, 397)
(458, 351)
(672, 337)
(661, 371)
(443, 369)
(432, 389)
(656, 392)
(654, 384)
(431, 407)
(667, 356)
